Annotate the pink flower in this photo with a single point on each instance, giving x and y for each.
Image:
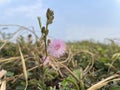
(56, 48)
(46, 60)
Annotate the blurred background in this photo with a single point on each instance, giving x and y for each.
(74, 20)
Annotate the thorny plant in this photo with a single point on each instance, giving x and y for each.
(45, 64)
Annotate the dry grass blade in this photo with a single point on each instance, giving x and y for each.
(2, 73)
(3, 44)
(21, 28)
(3, 85)
(77, 79)
(24, 67)
(104, 82)
(91, 62)
(9, 59)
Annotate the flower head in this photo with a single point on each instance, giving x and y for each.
(56, 48)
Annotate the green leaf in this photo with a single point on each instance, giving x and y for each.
(115, 88)
(9, 74)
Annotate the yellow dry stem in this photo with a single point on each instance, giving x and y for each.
(104, 82)
(3, 85)
(24, 67)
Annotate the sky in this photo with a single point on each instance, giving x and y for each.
(75, 20)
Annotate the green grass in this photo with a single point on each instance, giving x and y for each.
(98, 57)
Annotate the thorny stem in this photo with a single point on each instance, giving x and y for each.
(44, 35)
(45, 40)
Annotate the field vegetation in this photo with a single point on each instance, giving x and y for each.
(35, 62)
